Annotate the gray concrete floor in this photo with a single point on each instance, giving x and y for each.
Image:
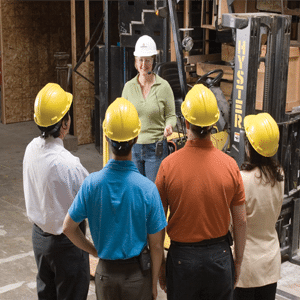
(17, 265)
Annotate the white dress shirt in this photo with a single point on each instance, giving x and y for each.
(52, 177)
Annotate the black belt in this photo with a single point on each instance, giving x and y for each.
(132, 260)
(204, 242)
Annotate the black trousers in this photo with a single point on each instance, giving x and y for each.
(63, 269)
(266, 292)
(200, 272)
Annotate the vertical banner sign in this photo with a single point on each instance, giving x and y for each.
(239, 95)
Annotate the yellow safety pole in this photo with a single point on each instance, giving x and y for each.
(105, 150)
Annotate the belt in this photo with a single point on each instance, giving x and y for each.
(203, 243)
(131, 260)
(82, 226)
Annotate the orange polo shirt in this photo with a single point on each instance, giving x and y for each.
(199, 184)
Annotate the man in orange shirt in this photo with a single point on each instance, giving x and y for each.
(201, 186)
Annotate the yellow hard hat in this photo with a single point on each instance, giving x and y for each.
(263, 133)
(200, 106)
(121, 123)
(51, 104)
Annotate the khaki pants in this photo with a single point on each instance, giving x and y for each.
(122, 281)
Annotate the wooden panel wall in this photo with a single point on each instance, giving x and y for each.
(85, 103)
(31, 33)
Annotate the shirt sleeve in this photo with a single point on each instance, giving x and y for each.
(125, 92)
(160, 184)
(170, 116)
(239, 197)
(80, 173)
(156, 220)
(78, 209)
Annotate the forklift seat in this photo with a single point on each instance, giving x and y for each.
(169, 72)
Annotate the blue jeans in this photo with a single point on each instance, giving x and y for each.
(205, 272)
(143, 156)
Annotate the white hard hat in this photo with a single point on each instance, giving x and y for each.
(145, 46)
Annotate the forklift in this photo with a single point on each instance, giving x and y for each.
(114, 66)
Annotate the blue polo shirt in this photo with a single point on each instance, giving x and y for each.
(122, 207)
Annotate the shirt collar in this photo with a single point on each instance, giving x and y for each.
(122, 165)
(52, 140)
(201, 143)
(158, 80)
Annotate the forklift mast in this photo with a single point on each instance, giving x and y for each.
(248, 29)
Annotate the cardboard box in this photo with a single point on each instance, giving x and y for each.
(205, 67)
(226, 87)
(227, 52)
(244, 6)
(293, 82)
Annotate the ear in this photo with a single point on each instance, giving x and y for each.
(135, 63)
(133, 141)
(187, 124)
(64, 125)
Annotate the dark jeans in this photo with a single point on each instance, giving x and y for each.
(63, 269)
(143, 156)
(205, 272)
(266, 292)
(122, 282)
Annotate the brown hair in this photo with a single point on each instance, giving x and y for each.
(200, 132)
(267, 166)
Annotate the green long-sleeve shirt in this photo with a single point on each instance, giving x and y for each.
(155, 112)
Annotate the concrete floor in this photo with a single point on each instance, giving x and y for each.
(17, 265)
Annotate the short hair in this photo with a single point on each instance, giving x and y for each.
(54, 130)
(121, 148)
(200, 132)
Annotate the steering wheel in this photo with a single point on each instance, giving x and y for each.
(211, 82)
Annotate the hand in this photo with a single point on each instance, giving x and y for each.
(95, 253)
(237, 269)
(162, 277)
(154, 292)
(168, 130)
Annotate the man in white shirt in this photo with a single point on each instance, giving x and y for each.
(52, 177)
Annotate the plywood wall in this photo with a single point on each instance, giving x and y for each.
(31, 33)
(85, 103)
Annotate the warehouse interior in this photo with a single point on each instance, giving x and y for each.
(70, 43)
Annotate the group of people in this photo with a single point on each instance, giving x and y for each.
(213, 206)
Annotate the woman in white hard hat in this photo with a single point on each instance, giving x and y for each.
(264, 188)
(154, 100)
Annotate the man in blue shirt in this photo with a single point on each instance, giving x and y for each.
(124, 211)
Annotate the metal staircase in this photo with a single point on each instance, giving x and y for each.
(137, 18)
